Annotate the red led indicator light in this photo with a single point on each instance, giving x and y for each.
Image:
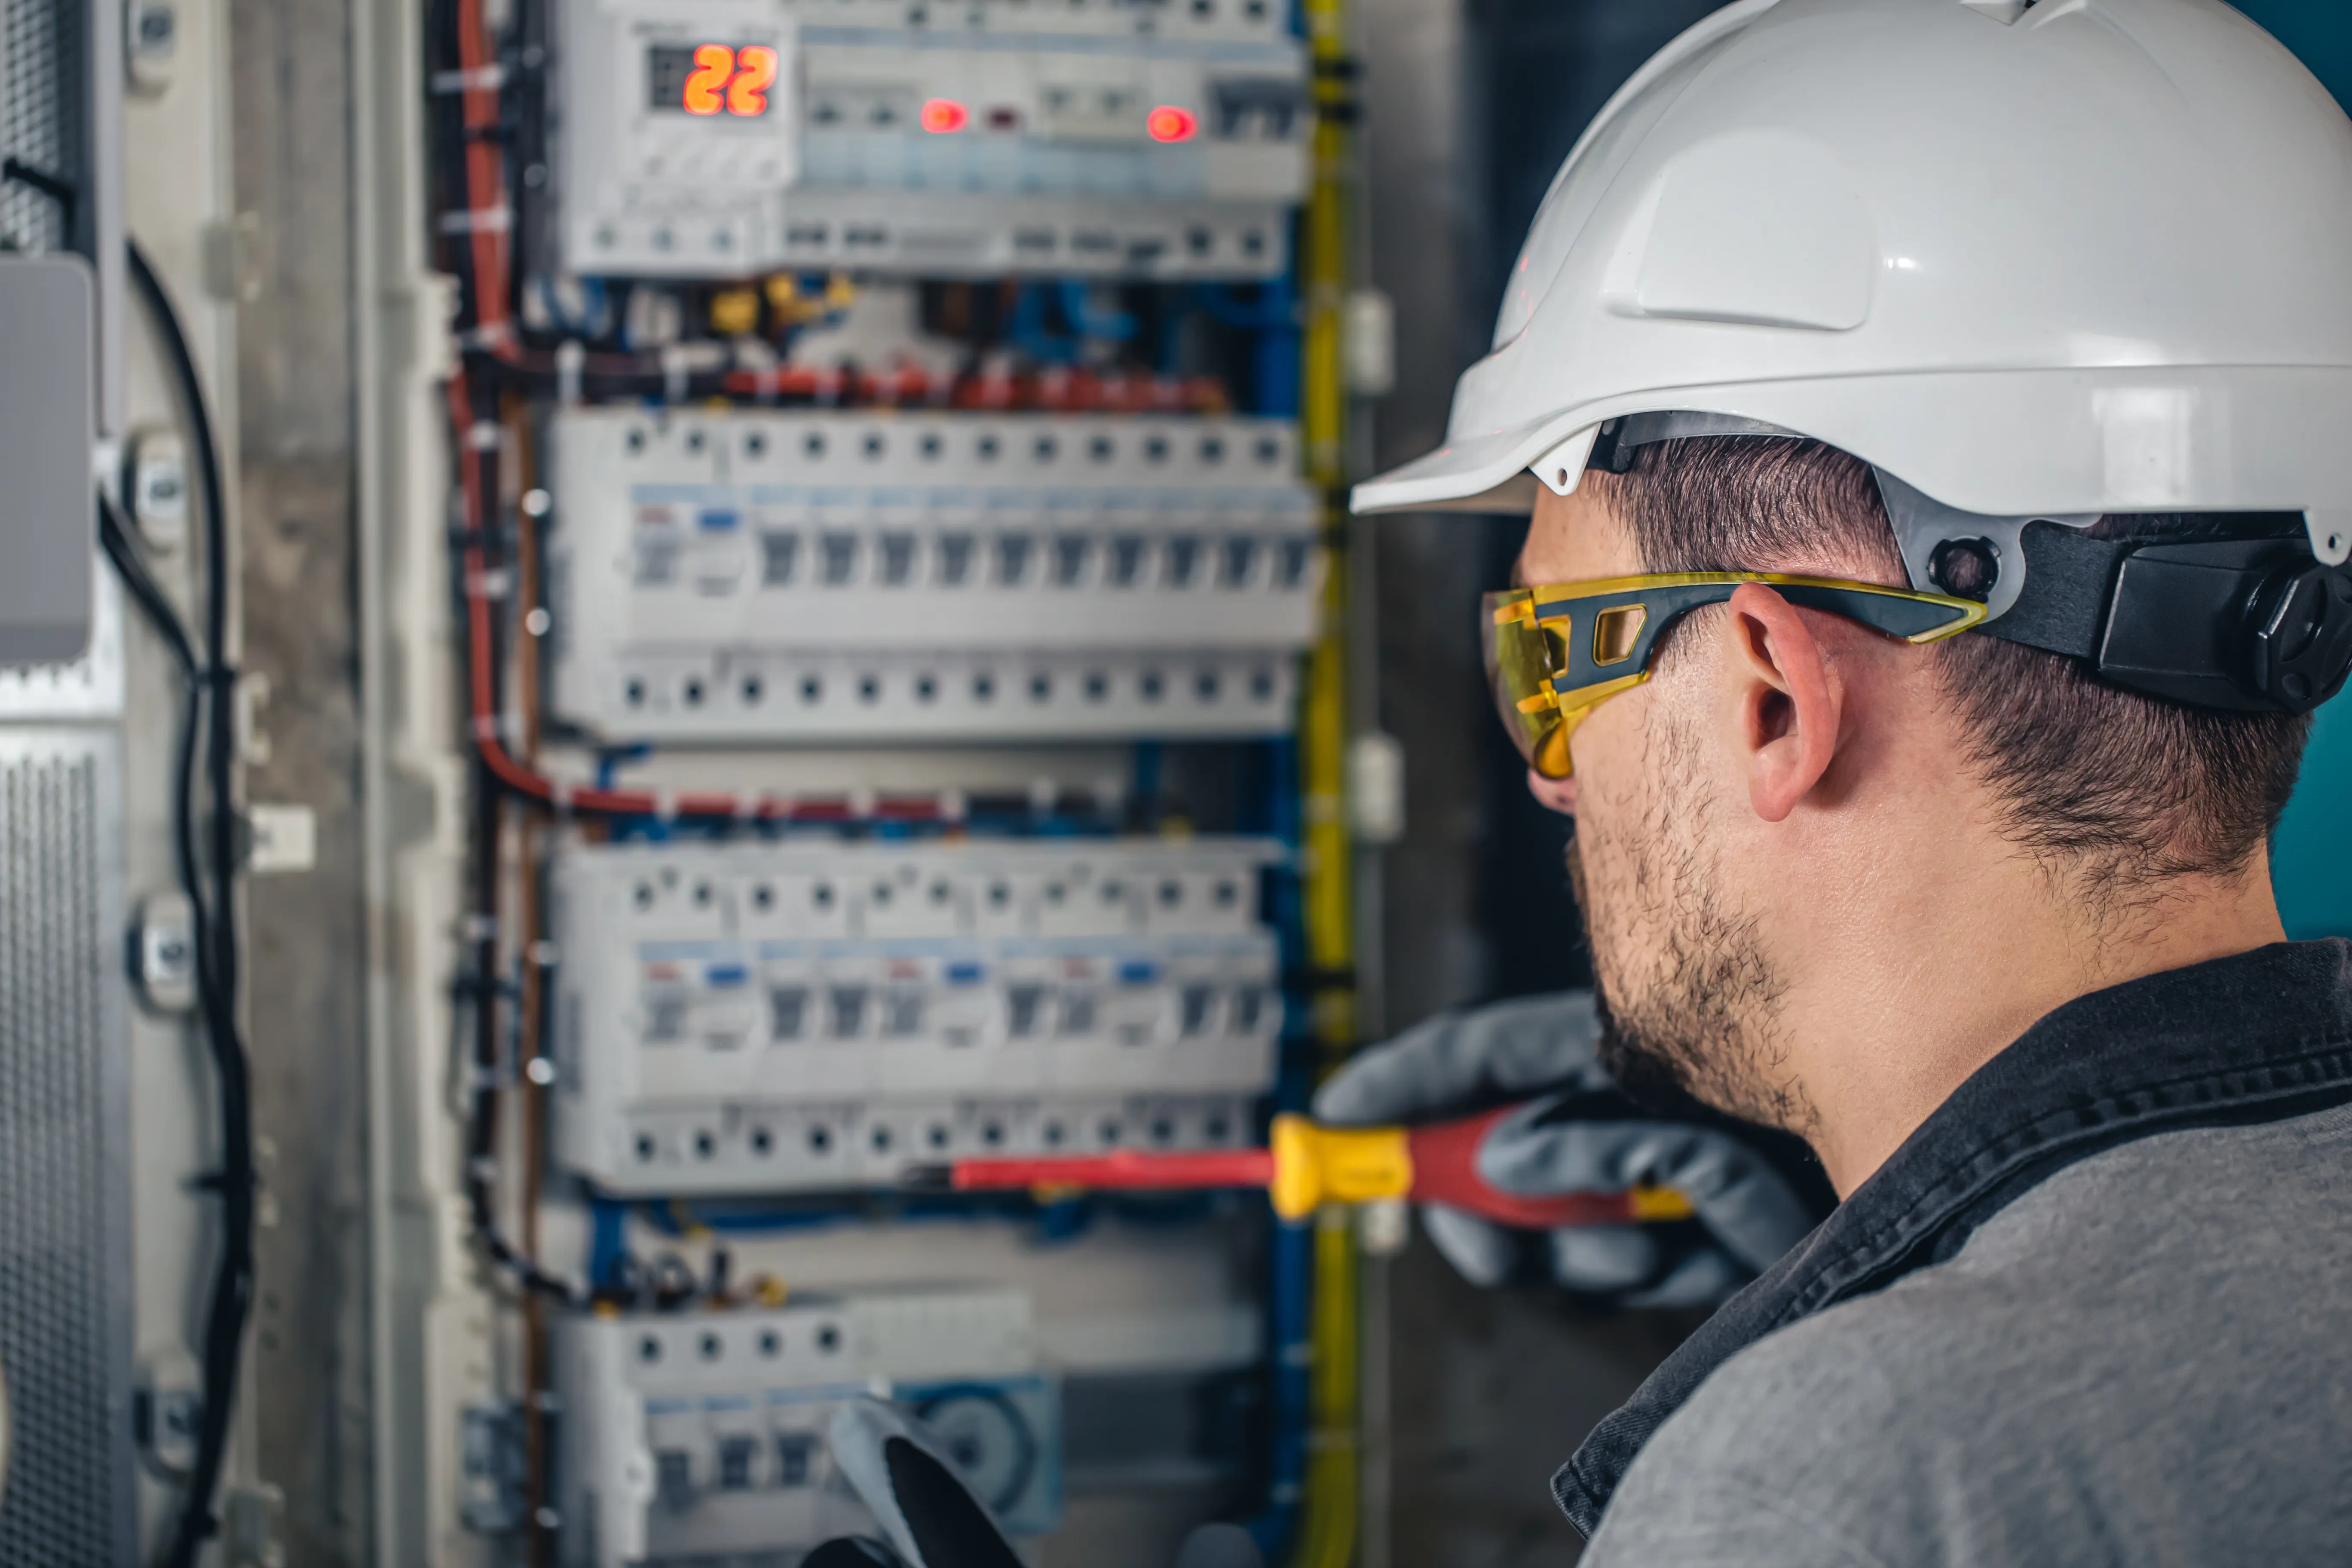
(1170, 123)
(944, 115)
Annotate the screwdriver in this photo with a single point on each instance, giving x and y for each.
(1306, 1166)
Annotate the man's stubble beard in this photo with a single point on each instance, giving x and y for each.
(1687, 995)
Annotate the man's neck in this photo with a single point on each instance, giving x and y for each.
(1897, 1023)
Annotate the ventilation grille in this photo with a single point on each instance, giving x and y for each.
(62, 1327)
(40, 49)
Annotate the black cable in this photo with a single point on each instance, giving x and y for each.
(60, 191)
(217, 962)
(115, 539)
(482, 985)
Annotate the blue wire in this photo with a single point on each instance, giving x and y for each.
(1277, 368)
(1028, 331)
(608, 1240)
(1147, 760)
(1291, 1266)
(1087, 321)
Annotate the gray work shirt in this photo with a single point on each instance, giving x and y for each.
(2146, 1359)
(2097, 1308)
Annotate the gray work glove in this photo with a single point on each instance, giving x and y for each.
(1754, 1196)
(929, 1518)
(933, 1518)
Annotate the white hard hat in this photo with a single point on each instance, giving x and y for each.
(2027, 259)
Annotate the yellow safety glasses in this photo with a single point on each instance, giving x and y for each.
(1554, 654)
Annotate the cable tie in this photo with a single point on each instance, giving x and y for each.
(490, 337)
(664, 803)
(479, 926)
(492, 583)
(476, 220)
(746, 808)
(571, 359)
(953, 805)
(484, 436)
(559, 798)
(674, 369)
(861, 803)
(486, 728)
(479, 78)
(545, 953)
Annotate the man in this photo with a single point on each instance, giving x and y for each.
(1934, 413)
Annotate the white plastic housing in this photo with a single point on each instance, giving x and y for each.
(2079, 258)
(695, 1435)
(805, 1016)
(971, 140)
(763, 575)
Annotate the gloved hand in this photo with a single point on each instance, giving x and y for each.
(933, 1519)
(929, 1518)
(1755, 1192)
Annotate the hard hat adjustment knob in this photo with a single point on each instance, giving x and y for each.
(1966, 568)
(2302, 642)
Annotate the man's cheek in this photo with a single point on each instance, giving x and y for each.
(1596, 876)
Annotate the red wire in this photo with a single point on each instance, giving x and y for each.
(485, 195)
(538, 787)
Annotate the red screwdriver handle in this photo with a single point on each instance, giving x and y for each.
(1446, 1171)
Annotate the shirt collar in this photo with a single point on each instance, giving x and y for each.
(2259, 1036)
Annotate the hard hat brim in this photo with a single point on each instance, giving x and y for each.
(1997, 442)
(1487, 474)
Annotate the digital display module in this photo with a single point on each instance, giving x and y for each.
(710, 80)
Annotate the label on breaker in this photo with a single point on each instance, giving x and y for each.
(692, 1436)
(824, 575)
(774, 1017)
(708, 138)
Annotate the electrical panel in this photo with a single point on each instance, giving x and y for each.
(719, 138)
(814, 576)
(702, 1437)
(806, 1015)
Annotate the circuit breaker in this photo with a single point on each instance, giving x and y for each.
(700, 1436)
(825, 576)
(717, 138)
(805, 1016)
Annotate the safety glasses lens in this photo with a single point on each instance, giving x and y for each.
(1521, 659)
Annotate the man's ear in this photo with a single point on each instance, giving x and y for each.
(1790, 700)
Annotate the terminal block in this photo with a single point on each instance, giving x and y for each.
(1130, 137)
(696, 1437)
(809, 1014)
(766, 576)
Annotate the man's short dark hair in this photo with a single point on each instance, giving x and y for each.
(2131, 789)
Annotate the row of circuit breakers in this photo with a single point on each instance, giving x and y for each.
(817, 576)
(943, 137)
(812, 1015)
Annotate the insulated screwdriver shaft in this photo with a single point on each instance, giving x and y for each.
(1308, 1164)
